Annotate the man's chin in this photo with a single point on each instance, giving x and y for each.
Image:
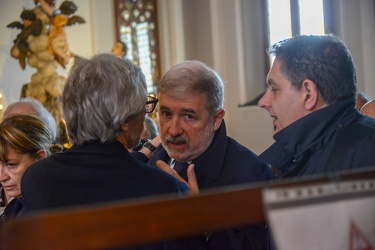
(180, 156)
(276, 130)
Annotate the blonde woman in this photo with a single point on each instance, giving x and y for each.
(24, 139)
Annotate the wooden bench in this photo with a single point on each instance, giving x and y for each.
(142, 221)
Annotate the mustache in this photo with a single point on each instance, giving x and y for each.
(178, 139)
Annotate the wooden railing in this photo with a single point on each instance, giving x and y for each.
(144, 221)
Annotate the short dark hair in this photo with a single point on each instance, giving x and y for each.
(28, 15)
(124, 47)
(68, 7)
(323, 59)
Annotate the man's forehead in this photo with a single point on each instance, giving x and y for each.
(189, 102)
(185, 95)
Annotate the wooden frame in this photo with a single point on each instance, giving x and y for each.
(137, 27)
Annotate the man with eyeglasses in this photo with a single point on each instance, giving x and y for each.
(192, 131)
(104, 109)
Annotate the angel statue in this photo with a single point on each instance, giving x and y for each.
(61, 17)
(42, 43)
(30, 26)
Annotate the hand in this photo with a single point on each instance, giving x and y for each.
(192, 179)
(155, 142)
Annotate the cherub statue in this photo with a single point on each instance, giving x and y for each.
(43, 47)
(61, 17)
(30, 26)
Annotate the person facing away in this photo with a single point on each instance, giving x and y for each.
(311, 96)
(31, 106)
(150, 131)
(192, 130)
(104, 109)
(24, 139)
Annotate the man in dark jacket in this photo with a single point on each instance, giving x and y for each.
(311, 96)
(192, 130)
(104, 107)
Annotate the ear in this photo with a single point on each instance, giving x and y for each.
(310, 94)
(218, 118)
(41, 154)
(125, 126)
(124, 131)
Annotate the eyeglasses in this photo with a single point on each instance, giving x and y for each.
(150, 104)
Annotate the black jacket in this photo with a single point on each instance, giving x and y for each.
(92, 173)
(224, 163)
(13, 209)
(332, 139)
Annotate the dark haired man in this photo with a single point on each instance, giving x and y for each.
(311, 96)
(119, 49)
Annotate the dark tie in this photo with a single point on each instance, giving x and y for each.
(181, 168)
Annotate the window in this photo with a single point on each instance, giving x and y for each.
(287, 18)
(282, 19)
(136, 22)
(293, 17)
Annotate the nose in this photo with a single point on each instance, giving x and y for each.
(175, 127)
(265, 102)
(3, 175)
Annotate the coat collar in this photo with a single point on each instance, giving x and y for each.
(209, 163)
(98, 147)
(306, 132)
(2, 197)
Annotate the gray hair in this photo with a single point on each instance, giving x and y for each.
(37, 109)
(99, 95)
(151, 128)
(194, 77)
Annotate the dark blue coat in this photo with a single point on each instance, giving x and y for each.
(332, 139)
(92, 173)
(14, 208)
(224, 163)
